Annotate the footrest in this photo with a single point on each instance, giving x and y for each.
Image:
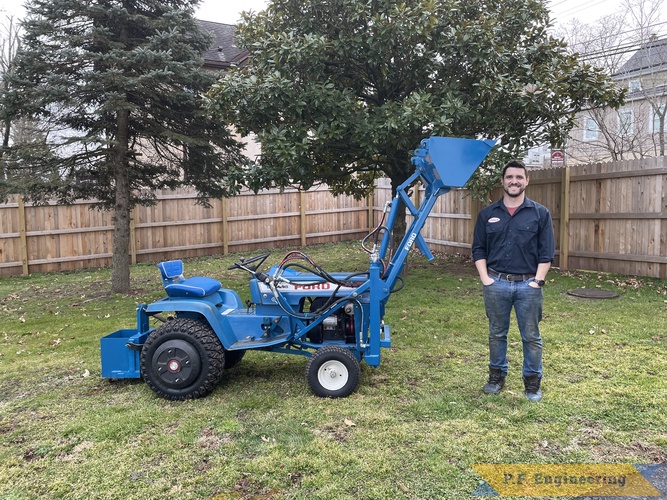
(385, 341)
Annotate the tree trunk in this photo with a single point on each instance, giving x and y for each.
(5, 147)
(120, 275)
(400, 224)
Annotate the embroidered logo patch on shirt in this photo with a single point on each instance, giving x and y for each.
(493, 220)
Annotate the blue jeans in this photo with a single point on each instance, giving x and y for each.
(499, 298)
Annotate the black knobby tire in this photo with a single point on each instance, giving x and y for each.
(333, 372)
(233, 358)
(182, 359)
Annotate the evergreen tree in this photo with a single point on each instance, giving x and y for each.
(121, 84)
(10, 42)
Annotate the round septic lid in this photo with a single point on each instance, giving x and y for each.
(593, 293)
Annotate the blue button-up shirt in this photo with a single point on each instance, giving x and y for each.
(514, 244)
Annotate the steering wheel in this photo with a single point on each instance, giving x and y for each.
(244, 263)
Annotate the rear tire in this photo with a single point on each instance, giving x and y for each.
(333, 372)
(182, 359)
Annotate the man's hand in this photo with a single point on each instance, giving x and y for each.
(487, 281)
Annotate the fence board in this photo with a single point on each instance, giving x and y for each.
(611, 216)
(71, 237)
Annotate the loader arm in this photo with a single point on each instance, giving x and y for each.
(442, 163)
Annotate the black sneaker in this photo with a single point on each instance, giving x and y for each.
(532, 385)
(496, 381)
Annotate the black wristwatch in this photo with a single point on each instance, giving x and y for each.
(540, 282)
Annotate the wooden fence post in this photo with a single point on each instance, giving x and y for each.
(225, 225)
(133, 238)
(24, 236)
(475, 209)
(304, 226)
(564, 250)
(417, 195)
(371, 213)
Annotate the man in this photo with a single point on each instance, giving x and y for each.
(513, 248)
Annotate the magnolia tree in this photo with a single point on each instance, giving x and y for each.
(341, 91)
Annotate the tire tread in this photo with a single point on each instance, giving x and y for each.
(203, 335)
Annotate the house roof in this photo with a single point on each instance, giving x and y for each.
(223, 51)
(651, 55)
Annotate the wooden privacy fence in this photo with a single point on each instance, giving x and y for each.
(609, 217)
(58, 238)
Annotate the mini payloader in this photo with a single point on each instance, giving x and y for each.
(296, 307)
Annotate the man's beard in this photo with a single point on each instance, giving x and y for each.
(516, 195)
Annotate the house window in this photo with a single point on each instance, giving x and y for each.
(634, 85)
(625, 122)
(591, 129)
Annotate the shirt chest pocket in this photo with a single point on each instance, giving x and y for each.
(495, 227)
(528, 227)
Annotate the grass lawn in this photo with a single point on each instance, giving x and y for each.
(413, 429)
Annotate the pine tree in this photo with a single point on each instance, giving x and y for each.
(121, 85)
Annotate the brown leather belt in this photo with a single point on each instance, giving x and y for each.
(511, 277)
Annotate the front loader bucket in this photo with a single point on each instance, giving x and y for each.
(455, 159)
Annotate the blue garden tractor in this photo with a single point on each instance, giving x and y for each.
(334, 319)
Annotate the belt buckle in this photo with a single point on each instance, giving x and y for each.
(511, 277)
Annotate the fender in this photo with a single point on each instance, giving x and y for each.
(208, 310)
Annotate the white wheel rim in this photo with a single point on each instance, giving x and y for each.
(332, 375)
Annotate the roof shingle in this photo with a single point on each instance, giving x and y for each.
(651, 55)
(223, 51)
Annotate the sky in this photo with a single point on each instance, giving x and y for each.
(229, 11)
(226, 11)
(220, 11)
(587, 11)
(562, 10)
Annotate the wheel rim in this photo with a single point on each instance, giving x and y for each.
(177, 363)
(332, 375)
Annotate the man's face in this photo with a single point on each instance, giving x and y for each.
(515, 181)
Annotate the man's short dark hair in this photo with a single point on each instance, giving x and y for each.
(515, 164)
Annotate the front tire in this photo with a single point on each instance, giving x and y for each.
(182, 359)
(333, 372)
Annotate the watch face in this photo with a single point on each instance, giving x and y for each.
(540, 282)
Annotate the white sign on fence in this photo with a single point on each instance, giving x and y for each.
(557, 157)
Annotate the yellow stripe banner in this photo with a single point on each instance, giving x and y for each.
(540, 480)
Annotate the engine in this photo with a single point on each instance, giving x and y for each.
(336, 327)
